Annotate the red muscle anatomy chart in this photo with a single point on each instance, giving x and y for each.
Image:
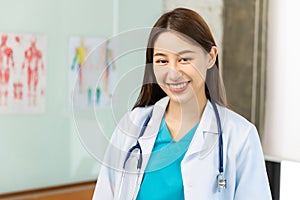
(22, 73)
(6, 66)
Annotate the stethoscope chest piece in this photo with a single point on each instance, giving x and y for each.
(221, 182)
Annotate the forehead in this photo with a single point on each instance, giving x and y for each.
(174, 43)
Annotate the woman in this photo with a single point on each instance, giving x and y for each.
(178, 124)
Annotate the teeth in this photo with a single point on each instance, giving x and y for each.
(178, 86)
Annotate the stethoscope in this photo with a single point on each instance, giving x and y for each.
(221, 181)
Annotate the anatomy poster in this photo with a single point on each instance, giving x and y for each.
(92, 72)
(22, 73)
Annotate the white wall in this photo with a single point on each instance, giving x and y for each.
(282, 135)
(44, 149)
(211, 11)
(281, 139)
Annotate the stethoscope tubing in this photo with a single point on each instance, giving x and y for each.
(140, 160)
(221, 168)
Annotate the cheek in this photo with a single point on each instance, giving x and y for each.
(197, 74)
(200, 66)
(160, 74)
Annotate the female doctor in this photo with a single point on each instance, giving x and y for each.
(180, 141)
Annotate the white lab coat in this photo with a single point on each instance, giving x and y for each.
(244, 166)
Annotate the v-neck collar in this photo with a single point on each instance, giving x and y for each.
(204, 139)
(188, 136)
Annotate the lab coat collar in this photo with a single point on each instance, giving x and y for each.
(205, 137)
(148, 139)
(207, 123)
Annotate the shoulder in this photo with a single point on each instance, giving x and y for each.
(8, 51)
(132, 121)
(139, 114)
(236, 127)
(240, 136)
(235, 120)
(128, 127)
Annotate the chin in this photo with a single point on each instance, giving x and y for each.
(182, 99)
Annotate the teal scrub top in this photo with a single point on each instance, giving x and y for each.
(162, 178)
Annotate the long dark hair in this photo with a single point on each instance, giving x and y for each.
(192, 25)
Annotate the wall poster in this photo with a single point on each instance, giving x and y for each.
(22, 73)
(92, 72)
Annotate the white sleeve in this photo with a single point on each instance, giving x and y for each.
(110, 172)
(251, 178)
(107, 179)
(103, 188)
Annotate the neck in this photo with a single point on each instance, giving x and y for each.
(186, 112)
(181, 117)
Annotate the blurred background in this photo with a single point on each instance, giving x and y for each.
(43, 42)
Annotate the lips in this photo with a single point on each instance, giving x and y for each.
(178, 87)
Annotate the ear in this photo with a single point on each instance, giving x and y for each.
(212, 56)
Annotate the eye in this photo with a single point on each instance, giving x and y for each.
(161, 61)
(185, 60)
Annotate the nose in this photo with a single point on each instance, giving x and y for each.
(174, 71)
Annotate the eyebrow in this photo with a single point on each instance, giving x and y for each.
(179, 53)
(159, 54)
(185, 51)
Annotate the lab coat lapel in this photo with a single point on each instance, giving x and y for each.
(146, 142)
(204, 140)
(206, 135)
(148, 139)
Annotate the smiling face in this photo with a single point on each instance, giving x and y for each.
(180, 68)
